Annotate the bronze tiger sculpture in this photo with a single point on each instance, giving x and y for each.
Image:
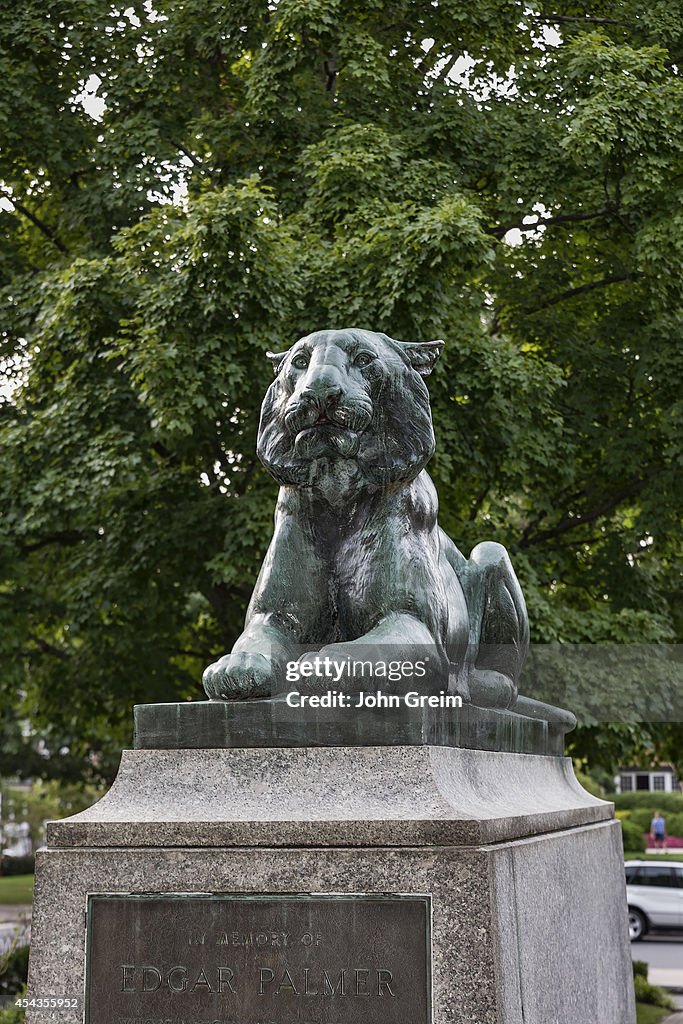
(358, 561)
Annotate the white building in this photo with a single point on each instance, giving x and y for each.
(661, 779)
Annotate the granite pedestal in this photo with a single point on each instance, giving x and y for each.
(416, 883)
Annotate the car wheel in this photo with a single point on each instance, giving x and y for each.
(637, 924)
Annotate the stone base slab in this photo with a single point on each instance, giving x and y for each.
(336, 796)
(527, 932)
(523, 868)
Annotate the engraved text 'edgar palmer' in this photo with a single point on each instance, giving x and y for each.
(258, 960)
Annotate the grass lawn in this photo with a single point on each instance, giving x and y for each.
(16, 889)
(646, 1014)
(655, 856)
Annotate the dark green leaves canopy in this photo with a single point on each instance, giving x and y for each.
(506, 176)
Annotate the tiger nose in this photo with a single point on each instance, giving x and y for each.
(323, 393)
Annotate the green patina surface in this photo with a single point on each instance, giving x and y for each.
(358, 567)
(263, 723)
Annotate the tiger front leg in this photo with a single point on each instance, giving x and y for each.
(255, 666)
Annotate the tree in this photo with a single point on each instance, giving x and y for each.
(505, 176)
(43, 802)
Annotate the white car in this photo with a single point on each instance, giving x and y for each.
(654, 892)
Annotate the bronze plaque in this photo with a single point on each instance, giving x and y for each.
(219, 959)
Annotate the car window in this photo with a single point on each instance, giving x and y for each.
(632, 876)
(657, 875)
(678, 874)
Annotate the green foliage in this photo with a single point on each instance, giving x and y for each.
(671, 803)
(589, 784)
(13, 1014)
(674, 825)
(636, 814)
(13, 970)
(44, 801)
(12, 867)
(648, 995)
(642, 817)
(640, 969)
(652, 994)
(633, 836)
(261, 171)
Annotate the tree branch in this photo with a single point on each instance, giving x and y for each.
(607, 506)
(446, 69)
(559, 19)
(190, 156)
(562, 218)
(565, 496)
(330, 69)
(43, 647)
(62, 537)
(577, 541)
(530, 527)
(244, 479)
(478, 501)
(590, 286)
(432, 57)
(47, 231)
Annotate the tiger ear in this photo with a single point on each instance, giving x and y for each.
(422, 355)
(276, 360)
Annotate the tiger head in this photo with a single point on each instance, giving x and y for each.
(349, 395)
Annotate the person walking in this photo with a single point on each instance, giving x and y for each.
(658, 830)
